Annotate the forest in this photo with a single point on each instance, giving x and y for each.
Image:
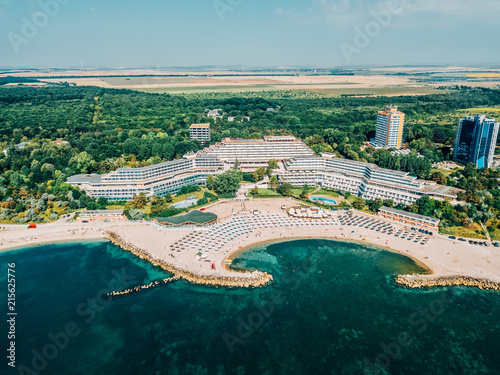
(104, 129)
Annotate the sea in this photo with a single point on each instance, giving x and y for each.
(333, 308)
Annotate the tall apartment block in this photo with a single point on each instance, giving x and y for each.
(476, 140)
(390, 124)
(200, 132)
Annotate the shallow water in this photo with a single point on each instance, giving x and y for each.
(332, 310)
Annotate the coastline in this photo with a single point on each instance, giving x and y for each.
(256, 278)
(446, 262)
(250, 247)
(53, 242)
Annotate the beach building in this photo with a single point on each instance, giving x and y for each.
(200, 132)
(197, 218)
(308, 212)
(390, 124)
(476, 141)
(409, 218)
(101, 216)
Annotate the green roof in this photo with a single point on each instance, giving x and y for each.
(193, 217)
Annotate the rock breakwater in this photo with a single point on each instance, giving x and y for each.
(417, 281)
(254, 280)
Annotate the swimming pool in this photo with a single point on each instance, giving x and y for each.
(322, 200)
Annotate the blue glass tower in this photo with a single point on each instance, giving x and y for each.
(476, 140)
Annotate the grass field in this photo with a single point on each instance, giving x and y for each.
(495, 235)
(326, 192)
(492, 111)
(474, 232)
(180, 198)
(267, 193)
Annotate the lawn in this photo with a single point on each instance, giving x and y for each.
(495, 235)
(267, 193)
(330, 193)
(180, 198)
(474, 232)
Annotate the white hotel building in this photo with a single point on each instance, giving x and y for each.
(361, 179)
(298, 166)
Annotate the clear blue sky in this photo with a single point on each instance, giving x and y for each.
(168, 33)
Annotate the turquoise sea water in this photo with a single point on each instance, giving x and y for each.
(331, 310)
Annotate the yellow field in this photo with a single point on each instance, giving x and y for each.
(483, 75)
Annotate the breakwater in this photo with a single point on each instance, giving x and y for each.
(417, 281)
(254, 280)
(136, 289)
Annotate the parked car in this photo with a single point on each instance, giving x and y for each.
(452, 237)
(31, 226)
(462, 239)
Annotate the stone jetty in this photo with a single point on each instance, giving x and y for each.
(254, 280)
(152, 284)
(419, 281)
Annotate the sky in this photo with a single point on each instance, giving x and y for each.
(247, 33)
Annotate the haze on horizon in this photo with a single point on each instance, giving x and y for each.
(112, 33)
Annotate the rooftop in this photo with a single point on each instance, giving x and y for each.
(85, 179)
(193, 217)
(101, 212)
(199, 126)
(409, 214)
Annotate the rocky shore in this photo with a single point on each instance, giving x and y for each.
(417, 281)
(254, 280)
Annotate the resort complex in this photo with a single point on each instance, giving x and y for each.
(297, 165)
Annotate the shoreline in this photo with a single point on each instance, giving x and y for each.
(198, 254)
(333, 239)
(52, 242)
(255, 280)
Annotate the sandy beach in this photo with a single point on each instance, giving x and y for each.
(207, 249)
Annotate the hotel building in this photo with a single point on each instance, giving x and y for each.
(200, 132)
(255, 153)
(298, 166)
(476, 141)
(192, 169)
(361, 179)
(390, 124)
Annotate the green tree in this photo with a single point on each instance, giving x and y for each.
(285, 189)
(273, 164)
(228, 182)
(139, 201)
(273, 182)
(358, 203)
(210, 182)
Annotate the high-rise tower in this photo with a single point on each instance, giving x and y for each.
(476, 140)
(390, 124)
